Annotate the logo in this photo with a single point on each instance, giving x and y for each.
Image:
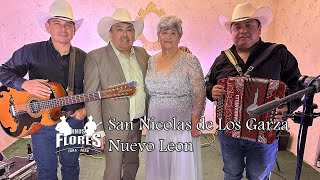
(78, 140)
(63, 127)
(90, 127)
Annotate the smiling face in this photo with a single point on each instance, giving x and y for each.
(61, 31)
(169, 38)
(122, 36)
(245, 34)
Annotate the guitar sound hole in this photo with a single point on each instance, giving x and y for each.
(34, 107)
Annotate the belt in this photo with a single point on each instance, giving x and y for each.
(136, 120)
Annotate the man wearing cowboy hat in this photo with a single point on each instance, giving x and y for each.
(49, 61)
(116, 63)
(245, 28)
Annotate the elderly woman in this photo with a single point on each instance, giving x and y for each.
(175, 85)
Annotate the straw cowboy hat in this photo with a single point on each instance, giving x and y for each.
(119, 15)
(60, 9)
(246, 11)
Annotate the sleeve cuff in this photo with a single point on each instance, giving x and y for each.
(18, 83)
(209, 95)
(102, 133)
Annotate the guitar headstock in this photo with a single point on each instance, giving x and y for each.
(119, 91)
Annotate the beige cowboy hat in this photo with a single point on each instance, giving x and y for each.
(246, 11)
(119, 15)
(60, 9)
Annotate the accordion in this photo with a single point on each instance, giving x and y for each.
(243, 93)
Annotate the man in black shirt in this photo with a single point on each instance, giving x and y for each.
(245, 29)
(49, 61)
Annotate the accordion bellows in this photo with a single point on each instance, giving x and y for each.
(243, 93)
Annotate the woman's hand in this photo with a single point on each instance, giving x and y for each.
(195, 132)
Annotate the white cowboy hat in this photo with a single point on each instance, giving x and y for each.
(60, 9)
(246, 11)
(119, 15)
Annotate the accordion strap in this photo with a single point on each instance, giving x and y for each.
(265, 54)
(234, 61)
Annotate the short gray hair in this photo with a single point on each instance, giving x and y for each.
(170, 22)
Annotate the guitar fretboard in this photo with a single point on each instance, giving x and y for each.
(114, 92)
(69, 100)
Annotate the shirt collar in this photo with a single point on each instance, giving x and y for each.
(252, 55)
(54, 49)
(132, 53)
(259, 43)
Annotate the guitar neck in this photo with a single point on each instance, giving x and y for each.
(69, 100)
(117, 91)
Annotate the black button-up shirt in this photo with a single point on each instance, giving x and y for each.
(280, 65)
(42, 61)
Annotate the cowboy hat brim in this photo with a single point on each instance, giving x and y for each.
(263, 14)
(105, 24)
(44, 17)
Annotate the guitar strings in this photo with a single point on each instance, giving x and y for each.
(66, 100)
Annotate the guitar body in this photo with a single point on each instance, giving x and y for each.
(22, 113)
(19, 119)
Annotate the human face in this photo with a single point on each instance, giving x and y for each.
(169, 39)
(122, 36)
(61, 31)
(245, 34)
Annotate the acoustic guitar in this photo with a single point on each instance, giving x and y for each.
(22, 113)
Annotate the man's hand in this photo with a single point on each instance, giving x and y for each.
(217, 92)
(102, 142)
(37, 88)
(280, 110)
(79, 114)
(185, 49)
